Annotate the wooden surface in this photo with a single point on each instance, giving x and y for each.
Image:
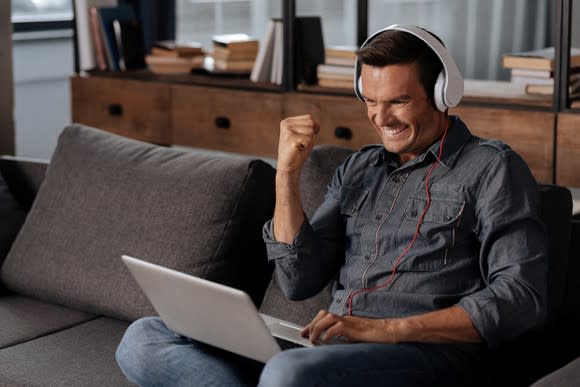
(333, 112)
(198, 115)
(134, 109)
(530, 133)
(188, 114)
(568, 159)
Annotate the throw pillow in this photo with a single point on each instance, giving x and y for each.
(106, 195)
(11, 219)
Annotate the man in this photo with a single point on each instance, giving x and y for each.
(432, 239)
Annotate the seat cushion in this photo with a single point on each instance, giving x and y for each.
(106, 195)
(83, 355)
(24, 319)
(316, 175)
(11, 218)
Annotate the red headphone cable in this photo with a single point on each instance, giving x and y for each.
(406, 250)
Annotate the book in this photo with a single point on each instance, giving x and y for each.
(325, 69)
(277, 70)
(546, 89)
(263, 64)
(122, 12)
(97, 40)
(177, 49)
(86, 51)
(541, 59)
(233, 65)
(309, 48)
(130, 44)
(173, 65)
(227, 54)
(238, 42)
(336, 83)
(341, 51)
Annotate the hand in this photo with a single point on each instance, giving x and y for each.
(296, 142)
(327, 326)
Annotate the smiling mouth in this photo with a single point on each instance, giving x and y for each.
(394, 132)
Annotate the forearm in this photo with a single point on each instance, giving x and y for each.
(449, 325)
(288, 212)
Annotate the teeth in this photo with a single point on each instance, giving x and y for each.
(393, 132)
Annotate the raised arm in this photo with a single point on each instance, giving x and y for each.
(295, 145)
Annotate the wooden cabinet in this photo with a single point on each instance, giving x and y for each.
(129, 108)
(234, 119)
(529, 133)
(343, 120)
(568, 150)
(229, 120)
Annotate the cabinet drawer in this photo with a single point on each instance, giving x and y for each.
(568, 150)
(135, 109)
(529, 133)
(228, 120)
(343, 120)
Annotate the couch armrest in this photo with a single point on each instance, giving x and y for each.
(23, 177)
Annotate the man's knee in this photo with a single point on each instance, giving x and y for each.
(130, 353)
(289, 368)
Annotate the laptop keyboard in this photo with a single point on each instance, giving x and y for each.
(285, 344)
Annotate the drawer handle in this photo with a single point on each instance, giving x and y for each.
(222, 122)
(115, 109)
(343, 133)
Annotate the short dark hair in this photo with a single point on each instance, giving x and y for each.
(400, 47)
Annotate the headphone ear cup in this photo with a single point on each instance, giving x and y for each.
(359, 85)
(439, 92)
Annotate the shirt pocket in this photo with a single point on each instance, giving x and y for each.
(438, 232)
(351, 203)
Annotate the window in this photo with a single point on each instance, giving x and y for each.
(35, 15)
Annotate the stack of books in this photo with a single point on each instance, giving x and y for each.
(269, 64)
(170, 57)
(338, 68)
(534, 71)
(116, 38)
(235, 53)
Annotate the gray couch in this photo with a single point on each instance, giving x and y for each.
(67, 299)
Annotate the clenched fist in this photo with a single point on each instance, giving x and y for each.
(296, 142)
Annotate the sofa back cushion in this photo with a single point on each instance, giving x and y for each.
(316, 175)
(105, 195)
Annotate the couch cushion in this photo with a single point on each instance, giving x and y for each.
(316, 174)
(11, 219)
(105, 195)
(83, 355)
(24, 319)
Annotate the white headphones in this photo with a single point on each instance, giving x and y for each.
(448, 88)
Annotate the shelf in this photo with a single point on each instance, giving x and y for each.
(502, 93)
(236, 81)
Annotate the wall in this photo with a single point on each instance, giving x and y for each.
(43, 63)
(6, 90)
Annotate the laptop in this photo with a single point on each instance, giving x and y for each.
(212, 313)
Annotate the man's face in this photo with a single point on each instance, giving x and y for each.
(398, 107)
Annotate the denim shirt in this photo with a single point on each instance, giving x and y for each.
(481, 244)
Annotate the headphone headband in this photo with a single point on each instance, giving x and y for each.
(449, 87)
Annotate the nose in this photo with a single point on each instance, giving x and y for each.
(383, 115)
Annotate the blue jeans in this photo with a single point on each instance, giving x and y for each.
(151, 355)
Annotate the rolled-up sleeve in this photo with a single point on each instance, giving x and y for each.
(513, 254)
(305, 266)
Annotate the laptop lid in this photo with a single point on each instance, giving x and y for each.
(205, 311)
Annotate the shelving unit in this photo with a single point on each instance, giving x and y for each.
(233, 114)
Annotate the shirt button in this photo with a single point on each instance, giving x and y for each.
(367, 257)
(338, 300)
(378, 217)
(413, 213)
(396, 178)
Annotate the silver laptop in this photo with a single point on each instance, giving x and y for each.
(212, 313)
